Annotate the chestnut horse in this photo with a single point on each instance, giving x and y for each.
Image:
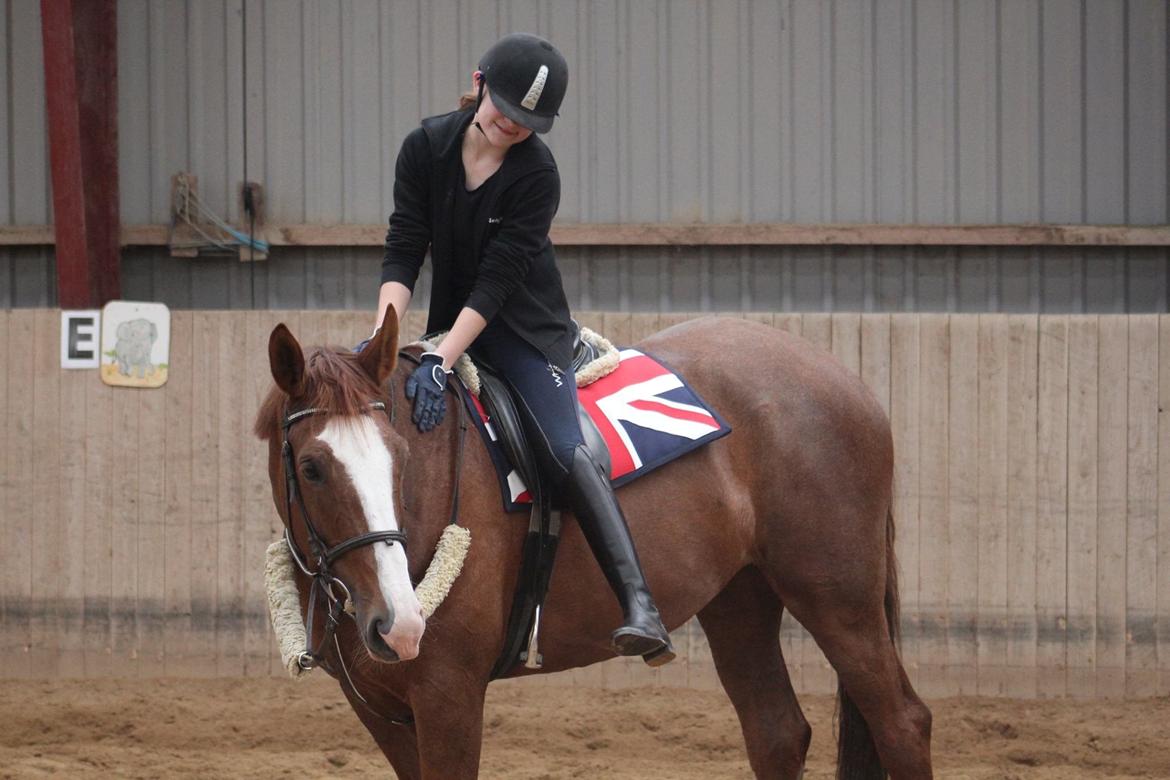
(791, 511)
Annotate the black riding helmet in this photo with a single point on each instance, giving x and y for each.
(528, 79)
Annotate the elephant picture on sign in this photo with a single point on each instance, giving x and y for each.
(132, 349)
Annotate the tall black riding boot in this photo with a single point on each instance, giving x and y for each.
(605, 529)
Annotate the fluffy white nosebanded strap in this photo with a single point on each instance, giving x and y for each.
(284, 603)
(445, 567)
(284, 607)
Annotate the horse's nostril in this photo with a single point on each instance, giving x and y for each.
(375, 642)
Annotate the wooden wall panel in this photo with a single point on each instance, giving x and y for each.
(123, 477)
(8, 585)
(1030, 492)
(933, 500)
(1112, 450)
(992, 489)
(906, 425)
(150, 607)
(1162, 687)
(178, 512)
(233, 368)
(45, 550)
(1141, 530)
(1021, 510)
(1052, 479)
(1082, 506)
(962, 568)
(97, 606)
(261, 523)
(73, 519)
(16, 575)
(205, 444)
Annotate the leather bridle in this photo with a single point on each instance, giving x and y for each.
(324, 556)
(323, 579)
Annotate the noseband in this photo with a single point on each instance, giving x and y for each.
(323, 555)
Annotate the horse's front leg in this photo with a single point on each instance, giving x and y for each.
(399, 743)
(449, 723)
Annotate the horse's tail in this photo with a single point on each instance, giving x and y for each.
(857, 757)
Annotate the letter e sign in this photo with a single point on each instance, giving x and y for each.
(79, 338)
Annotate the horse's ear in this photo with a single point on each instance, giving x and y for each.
(287, 361)
(381, 354)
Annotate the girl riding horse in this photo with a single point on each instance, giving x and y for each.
(479, 189)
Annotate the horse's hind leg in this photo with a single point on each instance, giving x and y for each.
(743, 629)
(857, 643)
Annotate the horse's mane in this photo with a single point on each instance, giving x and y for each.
(334, 381)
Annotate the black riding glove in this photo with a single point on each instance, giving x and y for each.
(426, 387)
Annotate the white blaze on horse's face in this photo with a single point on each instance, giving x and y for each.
(359, 447)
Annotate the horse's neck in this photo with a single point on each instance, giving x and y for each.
(428, 479)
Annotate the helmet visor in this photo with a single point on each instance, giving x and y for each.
(522, 116)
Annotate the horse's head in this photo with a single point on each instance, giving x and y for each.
(336, 464)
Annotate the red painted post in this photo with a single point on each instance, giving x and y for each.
(80, 57)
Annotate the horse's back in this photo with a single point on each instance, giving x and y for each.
(792, 401)
(761, 360)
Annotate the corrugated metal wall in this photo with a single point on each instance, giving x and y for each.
(903, 111)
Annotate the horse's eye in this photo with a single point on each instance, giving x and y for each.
(312, 471)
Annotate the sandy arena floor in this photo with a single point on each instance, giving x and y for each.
(273, 727)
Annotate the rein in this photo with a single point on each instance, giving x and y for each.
(324, 581)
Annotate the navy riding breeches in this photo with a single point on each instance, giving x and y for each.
(545, 394)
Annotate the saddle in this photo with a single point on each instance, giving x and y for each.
(544, 525)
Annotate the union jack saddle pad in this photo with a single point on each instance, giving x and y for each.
(646, 413)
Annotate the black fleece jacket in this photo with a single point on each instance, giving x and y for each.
(517, 278)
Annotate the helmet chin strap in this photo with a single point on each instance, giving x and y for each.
(478, 101)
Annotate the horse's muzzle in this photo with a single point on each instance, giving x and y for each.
(376, 645)
(394, 639)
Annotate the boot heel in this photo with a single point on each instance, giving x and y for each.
(628, 641)
(659, 657)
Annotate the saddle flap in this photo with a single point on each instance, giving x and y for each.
(497, 400)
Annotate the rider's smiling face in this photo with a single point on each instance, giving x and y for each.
(499, 130)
